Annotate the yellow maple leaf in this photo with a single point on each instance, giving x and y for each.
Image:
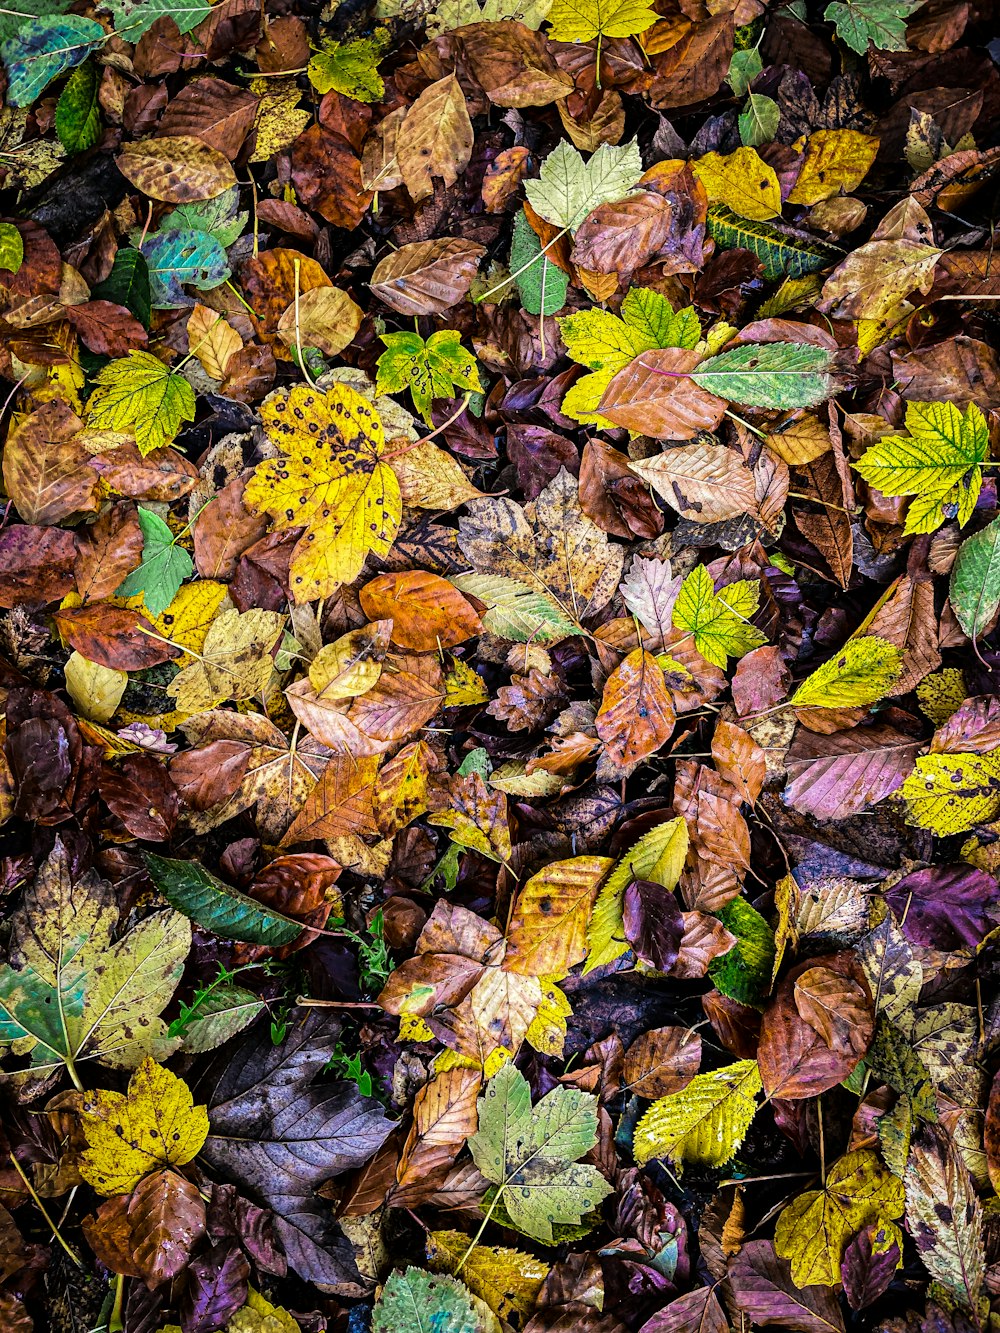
(583, 20)
(813, 1231)
(153, 1125)
(331, 481)
(235, 662)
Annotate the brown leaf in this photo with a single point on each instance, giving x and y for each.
(795, 1061)
(209, 774)
(704, 482)
(109, 548)
(427, 277)
(36, 564)
(327, 177)
(960, 370)
(834, 777)
(163, 474)
(697, 1312)
(435, 139)
(340, 804)
(109, 1235)
(739, 759)
(613, 497)
(763, 1288)
(662, 1061)
(213, 111)
(106, 328)
(653, 395)
(46, 470)
(444, 1115)
(622, 237)
(637, 715)
(426, 611)
(513, 64)
(223, 530)
(167, 1216)
(114, 637)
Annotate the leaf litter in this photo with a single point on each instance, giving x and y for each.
(499, 579)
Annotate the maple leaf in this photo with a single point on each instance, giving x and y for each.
(234, 662)
(507, 1280)
(430, 369)
(718, 622)
(141, 396)
(531, 1153)
(350, 68)
(154, 1124)
(331, 481)
(568, 188)
(582, 20)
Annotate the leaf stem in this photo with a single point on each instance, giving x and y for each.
(524, 267)
(42, 1209)
(482, 1228)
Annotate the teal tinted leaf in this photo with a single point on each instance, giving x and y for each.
(31, 1007)
(78, 114)
(14, 18)
(164, 567)
(543, 286)
(220, 217)
(975, 580)
(179, 257)
(128, 284)
(780, 375)
(44, 48)
(758, 121)
(11, 247)
(218, 907)
(419, 1302)
(784, 253)
(134, 18)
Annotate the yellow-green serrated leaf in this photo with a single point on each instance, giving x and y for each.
(705, 1122)
(507, 1280)
(952, 793)
(718, 622)
(657, 856)
(938, 462)
(583, 20)
(140, 396)
(813, 1231)
(863, 672)
(350, 68)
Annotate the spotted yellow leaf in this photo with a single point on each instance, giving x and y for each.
(951, 793)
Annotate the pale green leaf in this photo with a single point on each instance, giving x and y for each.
(778, 375)
(420, 1302)
(541, 285)
(881, 22)
(759, 119)
(515, 611)
(568, 188)
(975, 580)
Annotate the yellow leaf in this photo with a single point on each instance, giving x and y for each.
(260, 1316)
(941, 693)
(95, 690)
(951, 793)
(742, 181)
(863, 672)
(188, 618)
(154, 1124)
(837, 161)
(400, 794)
(583, 20)
(548, 929)
(327, 319)
(463, 685)
(813, 1231)
(332, 482)
(705, 1122)
(507, 1280)
(430, 478)
(659, 856)
(547, 1030)
(213, 340)
(140, 395)
(235, 661)
(352, 664)
(277, 123)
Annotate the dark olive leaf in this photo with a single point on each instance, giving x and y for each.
(219, 907)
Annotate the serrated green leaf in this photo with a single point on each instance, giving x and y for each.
(782, 253)
(431, 369)
(778, 375)
(220, 217)
(542, 286)
(134, 18)
(140, 395)
(517, 612)
(14, 19)
(164, 567)
(758, 121)
(43, 48)
(718, 622)
(657, 856)
(531, 1153)
(568, 188)
(881, 22)
(420, 1302)
(218, 907)
(863, 672)
(975, 580)
(744, 973)
(704, 1123)
(78, 112)
(128, 284)
(938, 462)
(220, 1015)
(11, 247)
(350, 68)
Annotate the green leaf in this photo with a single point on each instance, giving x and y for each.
(44, 48)
(975, 580)
(517, 612)
(785, 253)
(218, 907)
(134, 18)
(743, 69)
(657, 856)
(719, 622)
(938, 462)
(863, 672)
(164, 567)
(219, 217)
(138, 394)
(744, 973)
(881, 22)
(11, 247)
(705, 1122)
(350, 68)
(179, 257)
(542, 286)
(429, 370)
(11, 21)
(128, 284)
(78, 112)
(568, 188)
(531, 1153)
(215, 1017)
(419, 1302)
(583, 20)
(758, 121)
(778, 375)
